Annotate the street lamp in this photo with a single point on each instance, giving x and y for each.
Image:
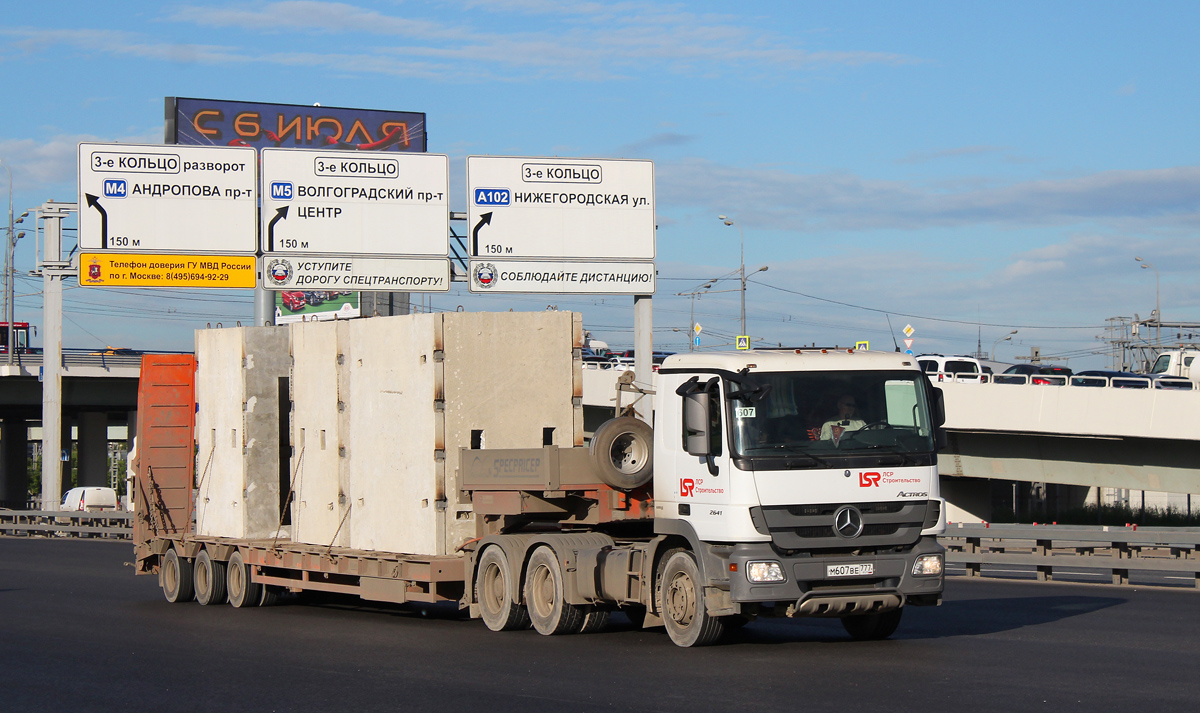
(1157, 304)
(702, 289)
(8, 271)
(1007, 338)
(741, 265)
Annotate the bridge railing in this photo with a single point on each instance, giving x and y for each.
(1115, 382)
(1046, 548)
(67, 523)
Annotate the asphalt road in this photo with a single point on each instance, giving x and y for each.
(78, 632)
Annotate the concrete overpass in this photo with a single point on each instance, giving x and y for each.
(99, 392)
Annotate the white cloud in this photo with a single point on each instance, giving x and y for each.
(584, 41)
(54, 162)
(771, 197)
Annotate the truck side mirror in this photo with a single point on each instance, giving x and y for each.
(696, 422)
(939, 418)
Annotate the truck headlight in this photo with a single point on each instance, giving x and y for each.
(759, 572)
(927, 566)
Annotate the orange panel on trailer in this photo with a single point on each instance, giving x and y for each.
(165, 450)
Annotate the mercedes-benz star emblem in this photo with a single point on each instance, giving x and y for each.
(848, 522)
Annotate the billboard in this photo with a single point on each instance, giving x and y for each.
(314, 306)
(216, 122)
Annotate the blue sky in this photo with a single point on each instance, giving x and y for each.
(952, 164)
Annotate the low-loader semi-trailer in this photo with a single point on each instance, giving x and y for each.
(441, 458)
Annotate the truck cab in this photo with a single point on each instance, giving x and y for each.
(1175, 362)
(805, 480)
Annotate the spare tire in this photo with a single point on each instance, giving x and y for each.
(622, 450)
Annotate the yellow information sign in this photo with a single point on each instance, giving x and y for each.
(139, 270)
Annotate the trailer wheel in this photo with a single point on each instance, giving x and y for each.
(872, 627)
(175, 578)
(494, 592)
(545, 598)
(242, 592)
(209, 576)
(595, 620)
(622, 450)
(270, 596)
(681, 602)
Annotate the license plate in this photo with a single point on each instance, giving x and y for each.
(850, 570)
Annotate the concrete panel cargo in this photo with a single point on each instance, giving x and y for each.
(238, 430)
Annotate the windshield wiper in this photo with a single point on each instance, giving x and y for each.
(799, 451)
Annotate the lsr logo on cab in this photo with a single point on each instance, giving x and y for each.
(687, 488)
(869, 480)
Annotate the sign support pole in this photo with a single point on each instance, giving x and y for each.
(264, 307)
(643, 354)
(54, 271)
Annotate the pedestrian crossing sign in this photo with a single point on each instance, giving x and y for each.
(743, 342)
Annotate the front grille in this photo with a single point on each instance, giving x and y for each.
(809, 527)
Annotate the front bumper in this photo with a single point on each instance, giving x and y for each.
(808, 591)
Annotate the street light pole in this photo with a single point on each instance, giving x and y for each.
(996, 343)
(1158, 307)
(8, 271)
(741, 264)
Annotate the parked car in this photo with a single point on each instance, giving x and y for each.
(939, 367)
(1116, 379)
(293, 300)
(601, 356)
(1034, 374)
(90, 499)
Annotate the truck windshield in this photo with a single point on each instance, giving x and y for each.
(829, 413)
(1161, 364)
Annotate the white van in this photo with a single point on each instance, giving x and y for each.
(90, 499)
(939, 367)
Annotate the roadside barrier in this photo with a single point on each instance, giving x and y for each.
(67, 523)
(981, 549)
(1048, 548)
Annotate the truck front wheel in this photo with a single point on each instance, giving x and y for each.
(681, 602)
(544, 596)
(494, 592)
(872, 627)
(175, 578)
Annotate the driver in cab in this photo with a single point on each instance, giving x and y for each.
(847, 419)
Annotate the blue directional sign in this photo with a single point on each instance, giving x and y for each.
(281, 190)
(696, 340)
(115, 188)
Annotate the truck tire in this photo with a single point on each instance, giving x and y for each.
(242, 592)
(595, 620)
(175, 578)
(494, 593)
(872, 627)
(270, 596)
(209, 577)
(622, 450)
(681, 602)
(545, 598)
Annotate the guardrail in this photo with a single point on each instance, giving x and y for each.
(67, 523)
(1086, 380)
(1049, 547)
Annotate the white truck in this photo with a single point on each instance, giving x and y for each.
(753, 495)
(1175, 363)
